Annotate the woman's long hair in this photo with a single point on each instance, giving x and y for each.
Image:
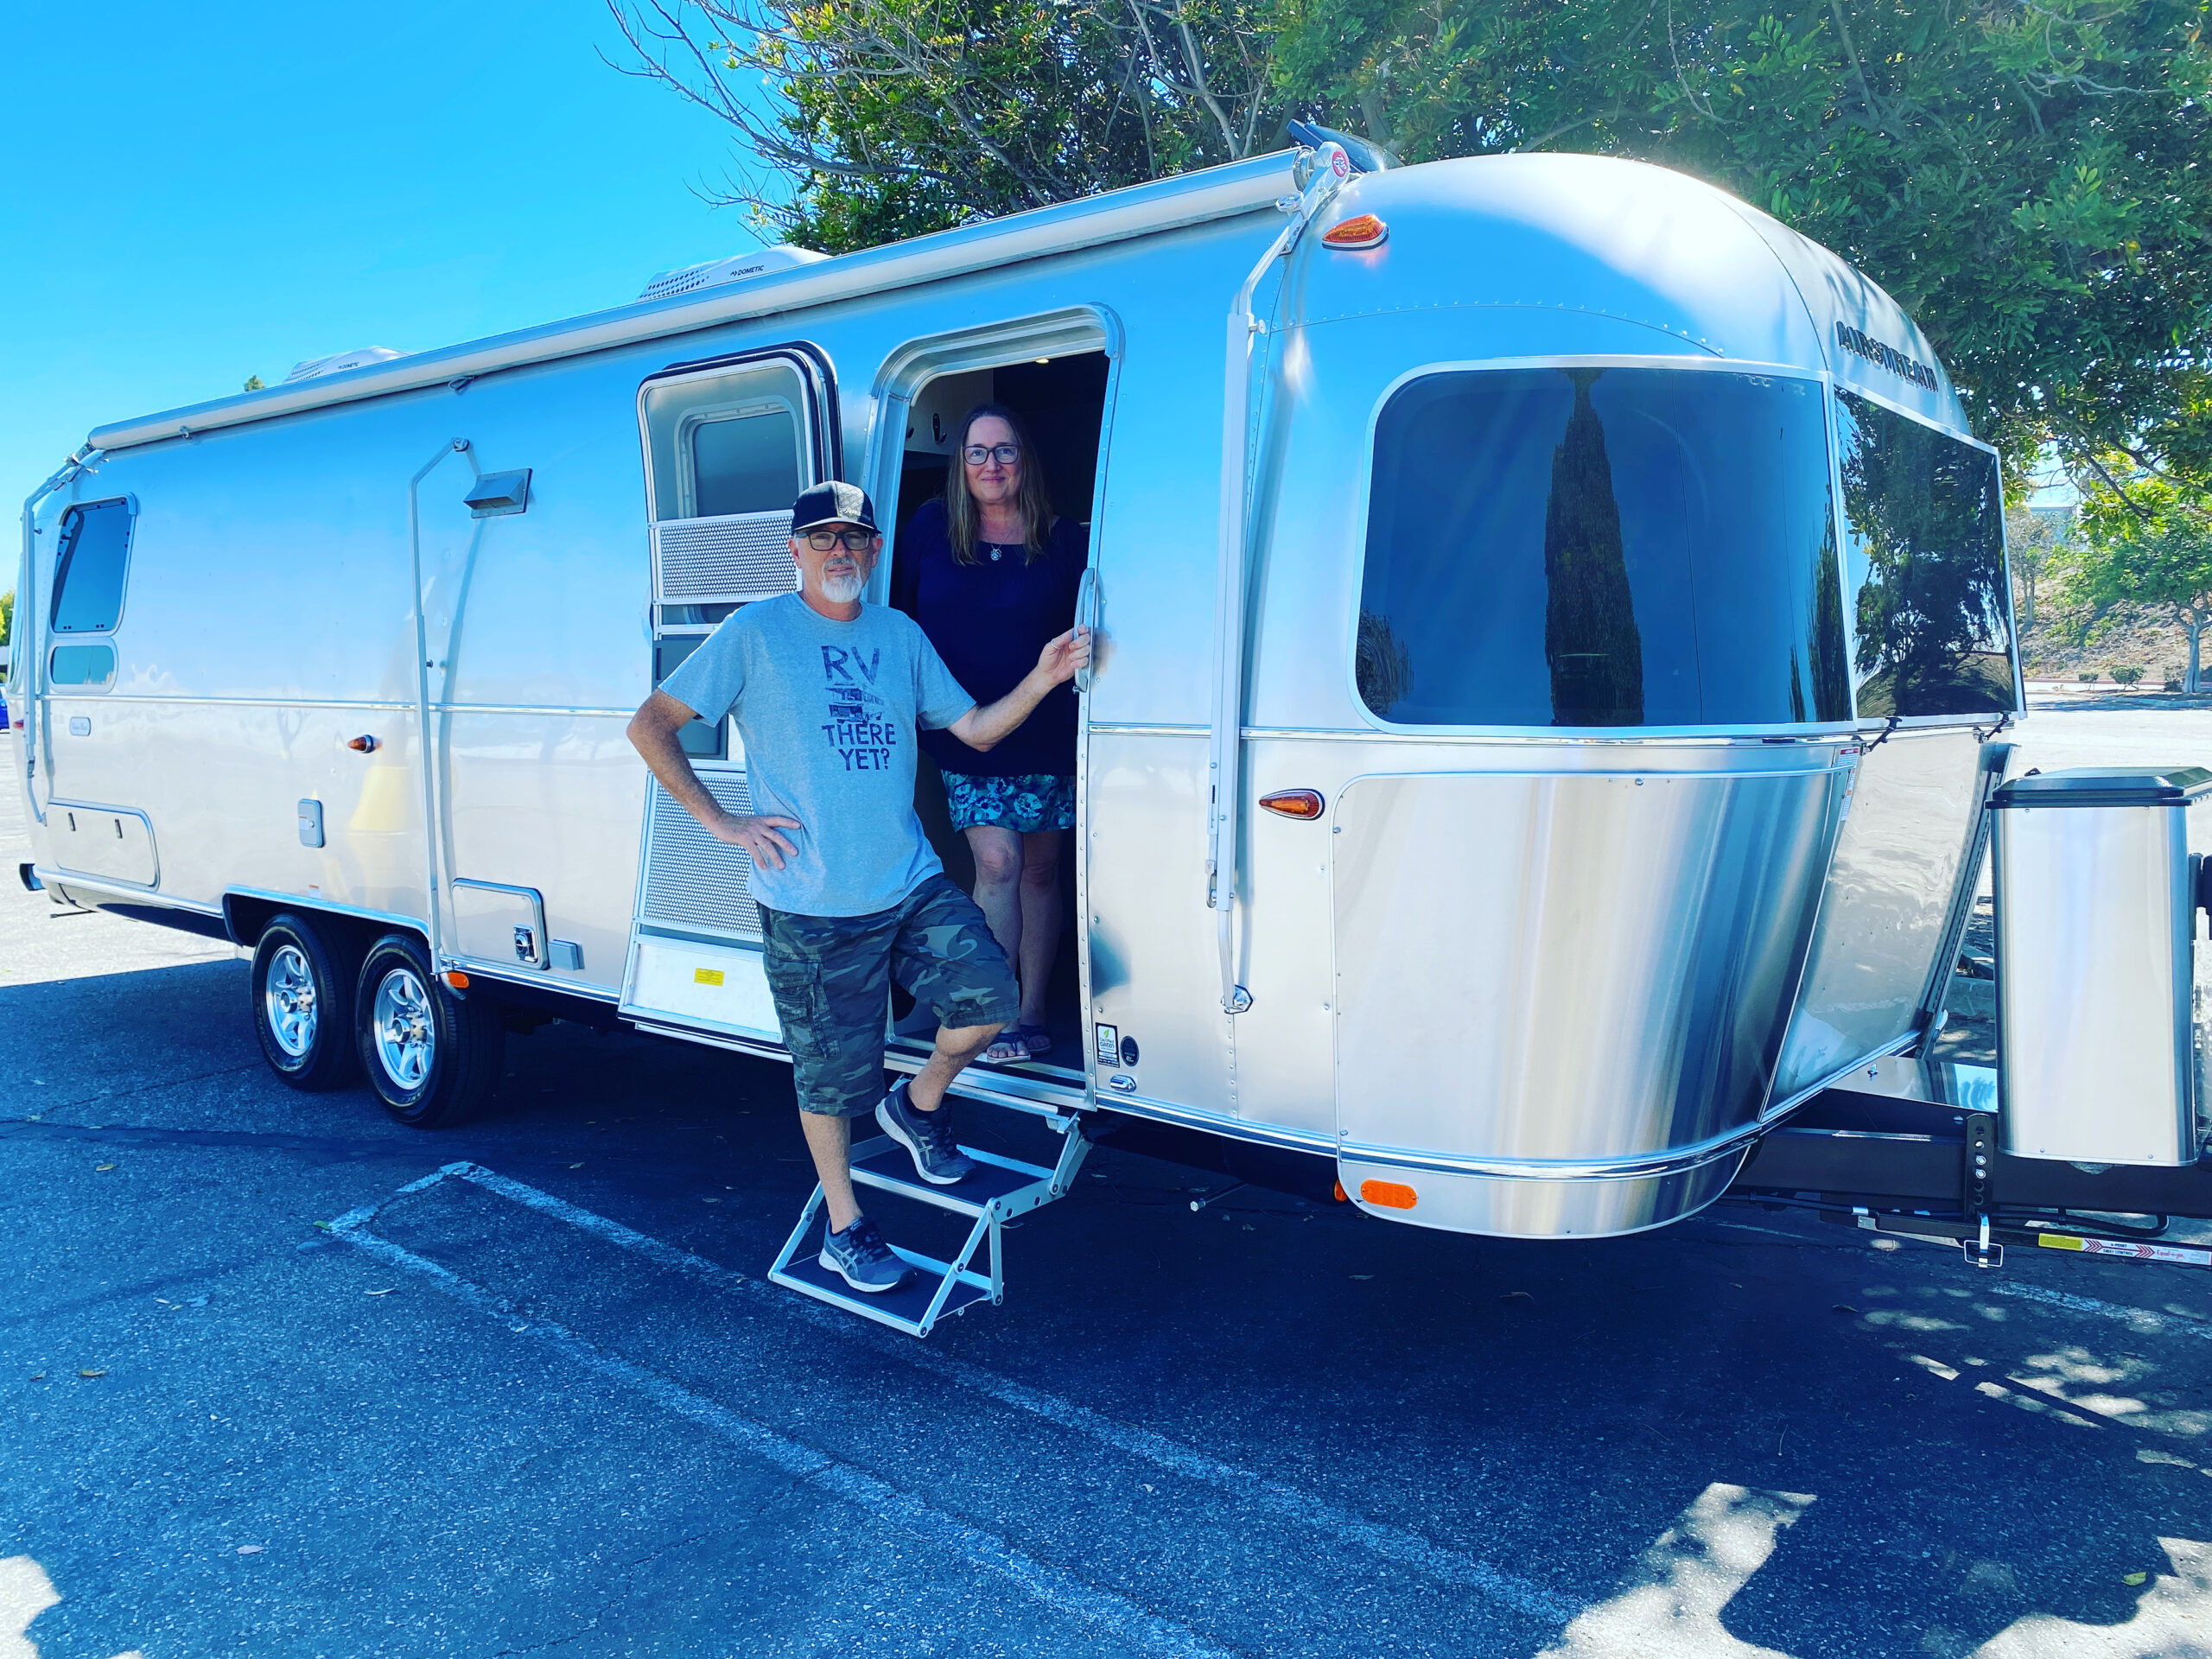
(962, 518)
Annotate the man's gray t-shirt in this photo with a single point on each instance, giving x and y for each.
(827, 712)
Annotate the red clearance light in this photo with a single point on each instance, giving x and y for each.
(1362, 230)
(1294, 802)
(1388, 1195)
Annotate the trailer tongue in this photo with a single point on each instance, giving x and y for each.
(2093, 1112)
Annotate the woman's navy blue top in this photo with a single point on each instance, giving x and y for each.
(988, 620)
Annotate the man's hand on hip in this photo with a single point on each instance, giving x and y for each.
(757, 836)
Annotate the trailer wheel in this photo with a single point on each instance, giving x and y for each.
(303, 1002)
(433, 1057)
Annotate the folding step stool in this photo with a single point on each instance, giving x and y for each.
(1000, 1188)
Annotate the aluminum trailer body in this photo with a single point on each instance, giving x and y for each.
(1507, 777)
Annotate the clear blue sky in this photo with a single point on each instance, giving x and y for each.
(193, 194)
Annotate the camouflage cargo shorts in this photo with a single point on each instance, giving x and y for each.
(831, 978)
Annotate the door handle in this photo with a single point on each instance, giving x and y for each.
(1086, 616)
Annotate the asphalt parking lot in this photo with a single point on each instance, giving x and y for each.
(532, 1396)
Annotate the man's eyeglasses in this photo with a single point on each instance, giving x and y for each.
(855, 541)
(1005, 453)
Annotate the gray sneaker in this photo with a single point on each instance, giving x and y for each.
(864, 1260)
(927, 1135)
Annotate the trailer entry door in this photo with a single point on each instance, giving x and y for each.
(727, 447)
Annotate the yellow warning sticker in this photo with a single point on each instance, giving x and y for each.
(706, 976)
(2059, 1242)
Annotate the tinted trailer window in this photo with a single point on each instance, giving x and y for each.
(89, 570)
(1924, 555)
(1602, 547)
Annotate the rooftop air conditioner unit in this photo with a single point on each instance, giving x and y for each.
(313, 366)
(712, 273)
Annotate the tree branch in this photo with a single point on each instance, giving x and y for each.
(2113, 485)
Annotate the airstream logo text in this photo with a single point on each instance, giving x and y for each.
(1889, 357)
(856, 728)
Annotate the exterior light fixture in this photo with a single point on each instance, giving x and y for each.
(1362, 230)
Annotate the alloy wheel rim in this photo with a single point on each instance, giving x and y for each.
(288, 1002)
(406, 1039)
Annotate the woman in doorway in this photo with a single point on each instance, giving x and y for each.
(991, 575)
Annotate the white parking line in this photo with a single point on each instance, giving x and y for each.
(1273, 1499)
(1057, 1589)
(2139, 1319)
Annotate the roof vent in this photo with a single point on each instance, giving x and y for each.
(315, 366)
(713, 273)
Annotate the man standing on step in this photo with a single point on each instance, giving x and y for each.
(828, 693)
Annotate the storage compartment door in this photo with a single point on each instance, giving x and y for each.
(112, 842)
(493, 922)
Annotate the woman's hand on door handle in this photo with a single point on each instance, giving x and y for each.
(1063, 658)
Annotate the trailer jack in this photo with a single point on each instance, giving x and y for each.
(1974, 1166)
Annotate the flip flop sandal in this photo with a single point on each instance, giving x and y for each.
(1035, 1039)
(1007, 1049)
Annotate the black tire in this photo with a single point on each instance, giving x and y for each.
(432, 1058)
(302, 983)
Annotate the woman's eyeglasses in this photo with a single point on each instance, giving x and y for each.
(855, 541)
(1005, 453)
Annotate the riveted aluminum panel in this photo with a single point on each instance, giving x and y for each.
(1538, 970)
(1580, 1206)
(1883, 918)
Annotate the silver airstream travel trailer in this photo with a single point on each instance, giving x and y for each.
(1539, 736)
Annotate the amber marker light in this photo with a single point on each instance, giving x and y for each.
(1294, 802)
(1388, 1195)
(1360, 231)
(456, 979)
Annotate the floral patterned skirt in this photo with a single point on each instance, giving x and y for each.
(1026, 802)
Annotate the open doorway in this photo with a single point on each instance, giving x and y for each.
(1062, 402)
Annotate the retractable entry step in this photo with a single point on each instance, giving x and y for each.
(1000, 1189)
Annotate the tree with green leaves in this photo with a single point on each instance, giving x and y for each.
(2028, 177)
(869, 121)
(2031, 536)
(6, 616)
(2146, 540)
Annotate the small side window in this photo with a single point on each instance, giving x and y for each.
(744, 462)
(89, 668)
(88, 571)
(722, 444)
